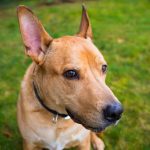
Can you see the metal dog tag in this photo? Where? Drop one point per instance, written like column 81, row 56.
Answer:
column 55, row 118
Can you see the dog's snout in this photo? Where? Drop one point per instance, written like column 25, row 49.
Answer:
column 113, row 112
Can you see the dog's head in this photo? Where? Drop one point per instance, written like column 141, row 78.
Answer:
column 71, row 72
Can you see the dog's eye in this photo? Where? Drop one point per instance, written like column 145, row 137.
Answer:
column 71, row 74
column 104, row 68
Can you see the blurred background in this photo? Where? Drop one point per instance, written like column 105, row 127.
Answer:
column 121, row 31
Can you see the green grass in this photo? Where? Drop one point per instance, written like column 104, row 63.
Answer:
column 122, row 32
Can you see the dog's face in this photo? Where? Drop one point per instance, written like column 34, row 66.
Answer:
column 72, row 72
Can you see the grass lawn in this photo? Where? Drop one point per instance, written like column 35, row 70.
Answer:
column 121, row 31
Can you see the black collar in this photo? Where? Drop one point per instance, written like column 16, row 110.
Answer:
column 42, row 103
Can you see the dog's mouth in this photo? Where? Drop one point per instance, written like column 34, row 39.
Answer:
column 97, row 129
column 77, row 119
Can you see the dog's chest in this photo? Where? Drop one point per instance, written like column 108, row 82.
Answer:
column 58, row 139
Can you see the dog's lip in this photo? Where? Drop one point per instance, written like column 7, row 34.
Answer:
column 73, row 117
column 102, row 128
column 94, row 129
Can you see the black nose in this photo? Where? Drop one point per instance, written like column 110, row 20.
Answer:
column 113, row 112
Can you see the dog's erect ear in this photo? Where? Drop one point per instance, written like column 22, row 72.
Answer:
column 85, row 26
column 35, row 38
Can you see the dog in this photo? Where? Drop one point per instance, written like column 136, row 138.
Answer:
column 64, row 100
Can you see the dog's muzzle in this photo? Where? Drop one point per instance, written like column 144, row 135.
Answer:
column 111, row 115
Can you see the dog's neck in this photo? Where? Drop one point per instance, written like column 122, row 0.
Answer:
column 38, row 97
column 41, row 100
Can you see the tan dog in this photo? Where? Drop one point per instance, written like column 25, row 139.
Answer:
column 66, row 78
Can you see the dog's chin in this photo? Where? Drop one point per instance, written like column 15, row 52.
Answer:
column 78, row 119
column 95, row 129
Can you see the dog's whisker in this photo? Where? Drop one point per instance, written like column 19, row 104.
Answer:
column 115, row 124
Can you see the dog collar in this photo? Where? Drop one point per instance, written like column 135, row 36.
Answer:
column 56, row 114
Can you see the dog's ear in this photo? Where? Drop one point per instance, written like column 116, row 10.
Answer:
column 85, row 26
column 35, row 38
